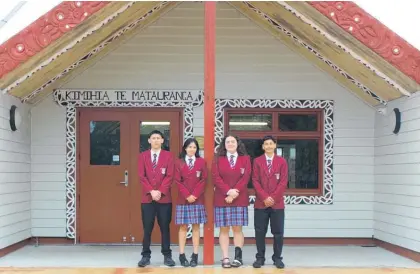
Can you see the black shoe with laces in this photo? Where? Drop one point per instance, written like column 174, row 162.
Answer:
column 183, row 260
column 258, row 263
column 144, row 261
column 194, row 260
column 279, row 263
column 168, row 261
column 237, row 262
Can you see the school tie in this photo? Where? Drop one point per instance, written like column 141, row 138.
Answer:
column 269, row 165
column 232, row 162
column 190, row 165
column 154, row 163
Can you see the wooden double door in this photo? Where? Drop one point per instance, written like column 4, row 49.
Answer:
column 109, row 207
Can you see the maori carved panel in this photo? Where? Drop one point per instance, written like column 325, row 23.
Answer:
column 44, row 31
column 61, row 98
column 373, row 34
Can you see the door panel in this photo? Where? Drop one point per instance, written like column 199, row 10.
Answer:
column 145, row 122
column 104, row 158
column 110, row 192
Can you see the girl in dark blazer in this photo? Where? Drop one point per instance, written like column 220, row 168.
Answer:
column 231, row 171
column 190, row 177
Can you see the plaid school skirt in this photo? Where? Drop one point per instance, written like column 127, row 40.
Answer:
column 190, row 214
column 231, row 216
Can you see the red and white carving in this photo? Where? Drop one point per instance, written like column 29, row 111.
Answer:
column 373, row 34
column 44, row 31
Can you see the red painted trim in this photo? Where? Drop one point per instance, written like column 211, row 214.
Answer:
column 373, row 34
column 209, row 121
column 44, row 31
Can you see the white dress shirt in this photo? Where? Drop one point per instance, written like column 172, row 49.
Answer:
column 268, row 158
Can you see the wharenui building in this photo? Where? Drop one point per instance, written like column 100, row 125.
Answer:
column 84, row 83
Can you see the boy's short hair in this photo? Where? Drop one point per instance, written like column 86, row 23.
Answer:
column 269, row 137
column 156, row 132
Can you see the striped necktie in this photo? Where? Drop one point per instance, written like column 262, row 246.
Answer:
column 154, row 163
column 269, row 165
column 231, row 161
column 190, row 164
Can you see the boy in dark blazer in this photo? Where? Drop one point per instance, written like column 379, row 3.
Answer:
column 156, row 171
column 269, row 177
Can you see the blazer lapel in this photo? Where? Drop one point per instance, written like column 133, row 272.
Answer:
column 161, row 160
column 264, row 164
column 224, row 162
column 148, row 160
column 276, row 166
column 237, row 164
column 185, row 170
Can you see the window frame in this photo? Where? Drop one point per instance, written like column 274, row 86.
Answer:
column 291, row 135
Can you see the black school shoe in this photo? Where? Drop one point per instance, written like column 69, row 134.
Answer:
column 194, row 260
column 278, row 262
column 237, row 262
column 183, row 260
column 168, row 261
column 144, row 261
column 258, row 263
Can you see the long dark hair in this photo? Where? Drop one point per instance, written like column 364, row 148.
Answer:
column 221, row 150
column 184, row 148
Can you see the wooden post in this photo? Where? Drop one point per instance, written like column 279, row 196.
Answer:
column 209, row 120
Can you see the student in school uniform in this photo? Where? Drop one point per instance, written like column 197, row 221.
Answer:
column 231, row 172
column 156, row 170
column 269, row 177
column 190, row 178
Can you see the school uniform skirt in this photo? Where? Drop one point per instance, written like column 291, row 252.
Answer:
column 190, row 214
column 231, row 216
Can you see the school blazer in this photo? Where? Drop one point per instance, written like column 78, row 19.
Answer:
column 160, row 178
column 226, row 178
column 190, row 182
column 269, row 184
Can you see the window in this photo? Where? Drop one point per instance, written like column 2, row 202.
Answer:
column 299, row 134
column 105, row 143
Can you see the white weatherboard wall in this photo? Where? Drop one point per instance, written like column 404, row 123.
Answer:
column 15, row 175
column 48, row 170
column 249, row 63
column 397, row 176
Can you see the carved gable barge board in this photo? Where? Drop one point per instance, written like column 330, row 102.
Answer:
column 327, row 49
column 347, row 39
column 30, row 61
column 96, row 54
column 371, row 32
column 294, row 44
column 82, row 48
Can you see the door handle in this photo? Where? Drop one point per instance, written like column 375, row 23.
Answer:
column 125, row 182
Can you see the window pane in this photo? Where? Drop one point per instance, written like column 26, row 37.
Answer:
column 298, row 122
column 250, row 122
column 147, row 127
column 105, row 142
column 302, row 159
column 254, row 149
